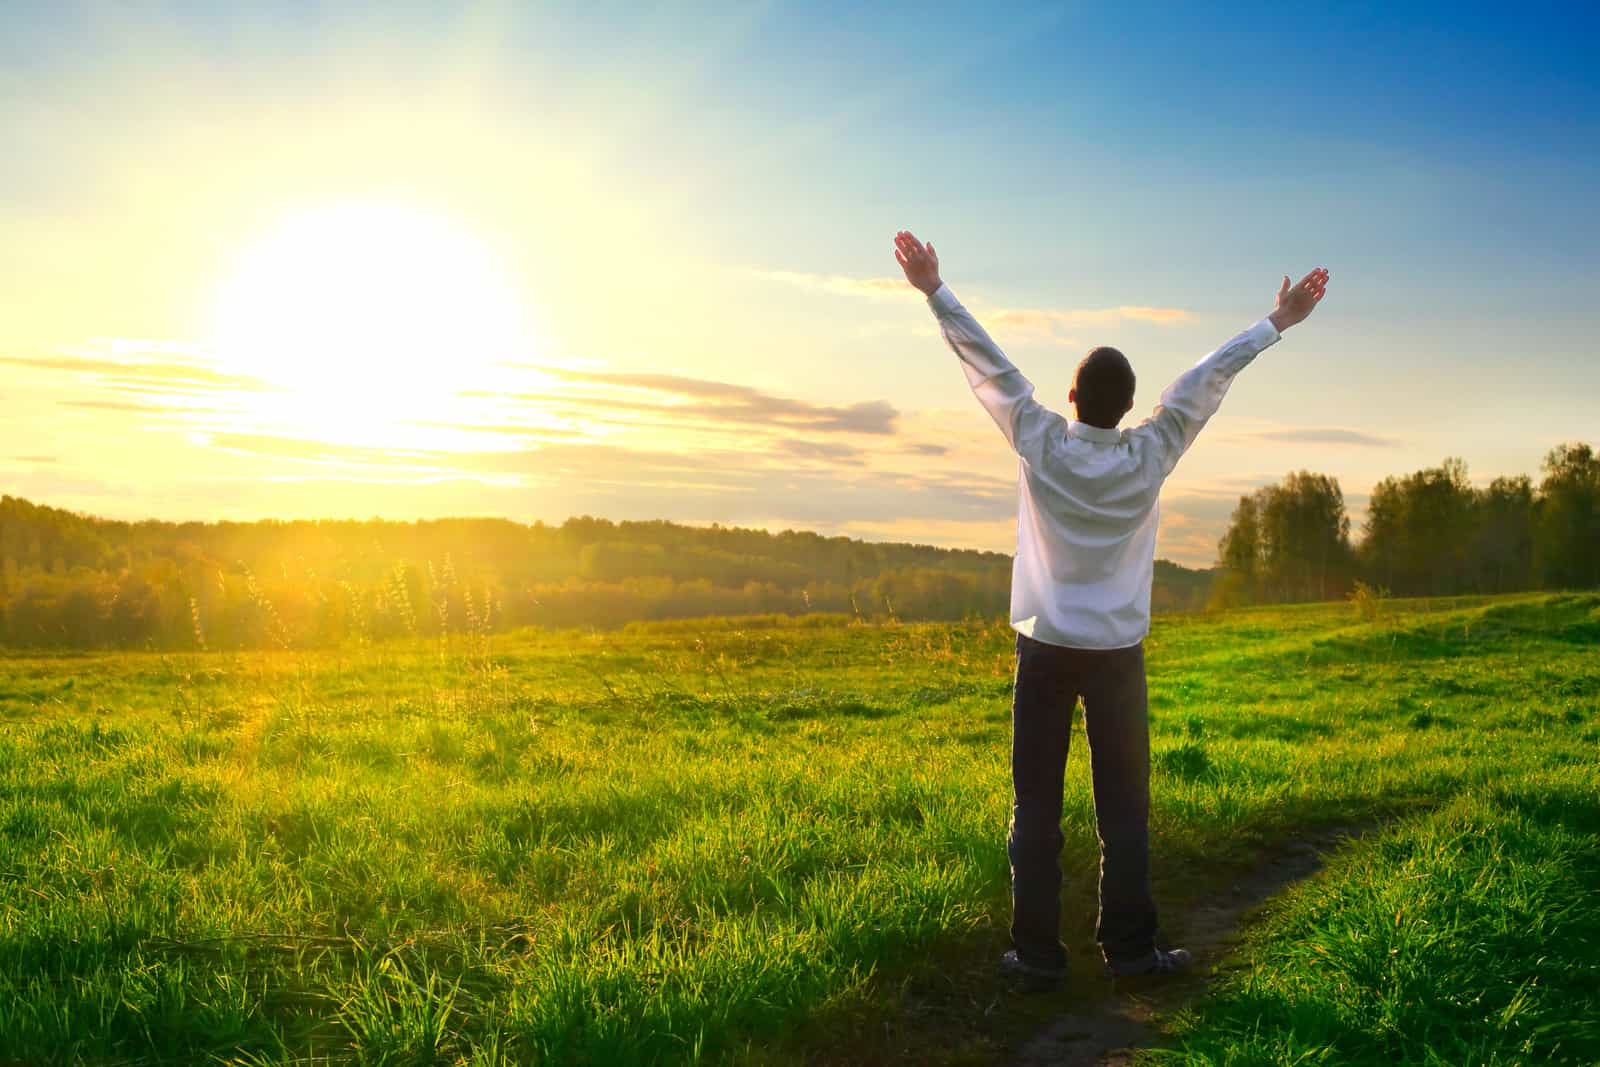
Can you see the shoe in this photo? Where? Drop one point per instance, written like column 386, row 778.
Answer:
column 1030, row 976
column 1157, row 964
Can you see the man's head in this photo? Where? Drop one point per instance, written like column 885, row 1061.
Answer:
column 1102, row 389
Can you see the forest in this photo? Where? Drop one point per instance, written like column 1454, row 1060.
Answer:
column 74, row 581
column 1428, row 533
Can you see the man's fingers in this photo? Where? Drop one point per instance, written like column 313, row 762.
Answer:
column 1317, row 285
column 900, row 257
column 1284, row 288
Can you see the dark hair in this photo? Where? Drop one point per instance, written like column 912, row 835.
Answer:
column 1104, row 387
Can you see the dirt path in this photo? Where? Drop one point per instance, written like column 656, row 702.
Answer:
column 1123, row 1018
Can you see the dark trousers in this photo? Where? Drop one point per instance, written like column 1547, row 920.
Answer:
column 1116, row 717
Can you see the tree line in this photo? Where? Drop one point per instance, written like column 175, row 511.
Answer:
column 1428, row 533
column 71, row 580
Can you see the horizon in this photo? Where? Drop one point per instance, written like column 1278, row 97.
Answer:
column 544, row 264
column 537, row 523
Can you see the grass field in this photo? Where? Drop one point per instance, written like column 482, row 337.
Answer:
column 764, row 841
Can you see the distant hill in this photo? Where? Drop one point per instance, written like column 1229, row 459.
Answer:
column 1178, row 588
column 77, row 581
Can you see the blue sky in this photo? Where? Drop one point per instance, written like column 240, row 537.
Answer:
column 709, row 193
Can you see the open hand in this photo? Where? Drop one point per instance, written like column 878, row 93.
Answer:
column 1296, row 303
column 919, row 261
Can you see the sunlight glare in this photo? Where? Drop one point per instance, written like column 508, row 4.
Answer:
column 372, row 312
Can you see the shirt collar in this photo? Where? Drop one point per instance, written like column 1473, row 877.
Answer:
column 1094, row 433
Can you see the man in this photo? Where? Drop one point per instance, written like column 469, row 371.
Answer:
column 1080, row 603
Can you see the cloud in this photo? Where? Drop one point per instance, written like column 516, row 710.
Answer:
column 1194, row 518
column 669, row 395
column 1319, row 435
column 147, row 376
column 36, row 459
column 825, row 450
column 731, row 485
column 989, row 535
column 112, row 405
column 552, row 442
column 878, row 288
column 1051, row 321
column 508, row 429
column 1044, row 322
column 304, row 450
column 1159, row 316
column 55, row 488
column 145, row 408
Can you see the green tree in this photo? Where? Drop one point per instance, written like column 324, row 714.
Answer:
column 1239, row 557
column 1305, row 538
column 1502, row 551
column 1419, row 529
column 1567, row 542
column 1286, row 542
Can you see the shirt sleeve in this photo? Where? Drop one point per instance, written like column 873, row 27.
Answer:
column 999, row 386
column 1191, row 400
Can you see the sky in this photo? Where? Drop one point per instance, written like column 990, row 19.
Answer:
column 539, row 260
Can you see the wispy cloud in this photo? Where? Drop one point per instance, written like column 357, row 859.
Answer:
column 1191, row 522
column 830, row 451
column 877, row 288
column 143, row 375
column 324, row 453
column 525, row 431
column 736, row 484
column 1045, row 323
column 700, row 401
column 545, row 442
column 187, row 410
column 111, row 405
column 1318, row 435
column 1050, row 321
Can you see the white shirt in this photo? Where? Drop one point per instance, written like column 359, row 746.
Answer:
column 1086, row 496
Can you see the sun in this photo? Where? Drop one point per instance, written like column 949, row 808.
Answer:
column 378, row 311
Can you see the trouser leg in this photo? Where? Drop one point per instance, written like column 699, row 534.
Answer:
column 1041, row 718
column 1117, row 722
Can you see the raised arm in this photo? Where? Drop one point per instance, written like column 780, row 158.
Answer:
column 1191, row 400
column 998, row 385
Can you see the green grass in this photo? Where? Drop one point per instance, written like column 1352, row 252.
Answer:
column 781, row 842
column 1469, row 935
